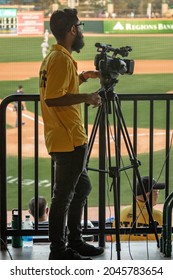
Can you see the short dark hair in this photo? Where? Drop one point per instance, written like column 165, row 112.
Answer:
column 61, row 21
column 42, row 203
column 20, row 87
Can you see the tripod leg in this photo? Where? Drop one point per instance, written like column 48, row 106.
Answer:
column 102, row 117
column 94, row 130
column 134, row 161
column 114, row 174
column 117, row 218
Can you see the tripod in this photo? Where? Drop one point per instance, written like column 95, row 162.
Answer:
column 111, row 105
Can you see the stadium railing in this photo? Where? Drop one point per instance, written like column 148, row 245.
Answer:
column 101, row 230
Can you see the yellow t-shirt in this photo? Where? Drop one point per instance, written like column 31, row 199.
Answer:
column 126, row 218
column 63, row 126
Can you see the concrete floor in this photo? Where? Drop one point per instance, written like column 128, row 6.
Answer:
column 129, row 251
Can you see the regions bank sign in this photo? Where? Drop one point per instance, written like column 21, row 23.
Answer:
column 138, row 26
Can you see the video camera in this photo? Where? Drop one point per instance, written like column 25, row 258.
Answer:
column 110, row 65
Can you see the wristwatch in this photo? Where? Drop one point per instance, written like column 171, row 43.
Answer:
column 82, row 78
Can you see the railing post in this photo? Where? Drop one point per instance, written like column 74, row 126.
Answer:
column 3, row 199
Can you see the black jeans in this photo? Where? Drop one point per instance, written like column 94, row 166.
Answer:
column 71, row 188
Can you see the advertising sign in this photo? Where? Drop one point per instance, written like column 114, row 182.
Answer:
column 155, row 26
column 30, row 23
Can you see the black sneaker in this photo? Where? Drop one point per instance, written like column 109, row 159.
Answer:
column 67, row 254
column 86, row 249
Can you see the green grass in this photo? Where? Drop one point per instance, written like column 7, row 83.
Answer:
column 127, row 84
column 147, row 83
column 9, row 87
column 17, row 49
column 151, row 84
column 44, row 174
column 27, row 180
column 142, row 47
column 125, row 186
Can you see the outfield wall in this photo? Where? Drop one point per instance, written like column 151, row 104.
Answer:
column 126, row 26
column 14, row 22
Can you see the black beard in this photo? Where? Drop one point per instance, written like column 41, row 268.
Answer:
column 78, row 43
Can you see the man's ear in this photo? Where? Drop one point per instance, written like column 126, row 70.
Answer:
column 73, row 30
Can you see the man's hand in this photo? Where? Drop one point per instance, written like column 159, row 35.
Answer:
column 91, row 74
column 94, row 99
column 84, row 76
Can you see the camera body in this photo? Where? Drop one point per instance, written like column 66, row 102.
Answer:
column 111, row 65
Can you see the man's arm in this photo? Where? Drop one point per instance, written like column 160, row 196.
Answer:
column 85, row 75
column 72, row 99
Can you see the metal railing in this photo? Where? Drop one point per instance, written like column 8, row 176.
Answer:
column 166, row 234
column 165, row 100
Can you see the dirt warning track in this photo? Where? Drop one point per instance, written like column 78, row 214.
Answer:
column 14, row 71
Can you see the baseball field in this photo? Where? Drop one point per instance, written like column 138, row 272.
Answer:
column 19, row 64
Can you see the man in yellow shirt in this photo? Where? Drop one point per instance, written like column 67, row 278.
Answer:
column 142, row 217
column 65, row 136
